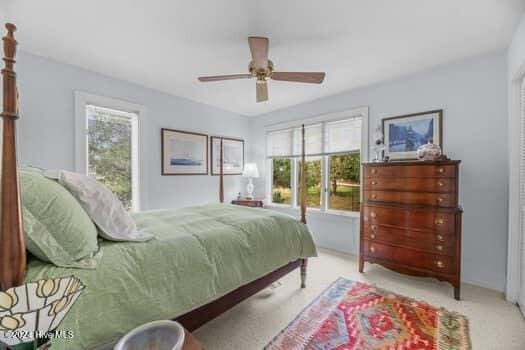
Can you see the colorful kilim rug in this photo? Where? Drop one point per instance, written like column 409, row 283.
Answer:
column 351, row 315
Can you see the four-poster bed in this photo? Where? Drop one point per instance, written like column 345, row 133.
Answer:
column 12, row 247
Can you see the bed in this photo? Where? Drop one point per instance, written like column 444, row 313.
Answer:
column 203, row 260
column 199, row 254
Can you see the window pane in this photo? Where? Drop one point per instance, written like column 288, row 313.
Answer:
column 281, row 182
column 313, row 182
column 343, row 136
column 345, row 171
column 313, row 137
column 109, row 151
column 279, row 143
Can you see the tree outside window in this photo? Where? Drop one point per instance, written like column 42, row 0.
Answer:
column 345, row 171
column 110, row 151
column 313, row 182
column 281, row 181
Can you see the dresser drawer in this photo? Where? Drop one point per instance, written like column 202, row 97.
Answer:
column 445, row 200
column 433, row 243
column 419, row 170
column 409, row 218
column 409, row 257
column 441, row 185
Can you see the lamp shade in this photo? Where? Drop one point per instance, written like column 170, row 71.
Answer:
column 36, row 308
column 250, row 170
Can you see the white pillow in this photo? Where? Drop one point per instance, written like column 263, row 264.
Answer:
column 102, row 206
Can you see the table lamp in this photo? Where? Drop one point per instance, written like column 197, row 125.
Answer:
column 250, row 171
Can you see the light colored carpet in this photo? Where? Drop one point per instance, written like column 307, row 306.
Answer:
column 494, row 323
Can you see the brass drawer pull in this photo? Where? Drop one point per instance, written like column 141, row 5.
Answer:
column 439, row 264
column 372, row 236
column 373, row 196
column 373, row 214
column 440, row 238
column 441, row 183
column 439, row 247
column 441, row 170
column 439, row 199
column 374, row 182
column 372, row 249
column 374, row 171
column 439, row 222
column 373, row 227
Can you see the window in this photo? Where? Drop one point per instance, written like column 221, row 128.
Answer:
column 107, row 144
column 313, row 182
column 344, row 187
column 110, row 148
column 282, row 181
column 334, row 147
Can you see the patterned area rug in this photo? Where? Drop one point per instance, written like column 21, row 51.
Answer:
column 357, row 316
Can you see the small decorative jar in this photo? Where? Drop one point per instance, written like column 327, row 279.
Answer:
column 428, row 151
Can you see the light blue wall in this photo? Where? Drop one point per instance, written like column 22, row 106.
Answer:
column 473, row 95
column 46, row 128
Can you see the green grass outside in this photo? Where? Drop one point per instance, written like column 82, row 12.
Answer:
column 346, row 198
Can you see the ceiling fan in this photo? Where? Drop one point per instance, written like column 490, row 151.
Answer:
column 262, row 68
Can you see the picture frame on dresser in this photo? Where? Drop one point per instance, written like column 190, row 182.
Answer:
column 410, row 219
column 405, row 133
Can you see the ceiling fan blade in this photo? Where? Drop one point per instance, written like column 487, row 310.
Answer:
column 225, row 77
column 261, row 89
column 259, row 49
column 300, row 77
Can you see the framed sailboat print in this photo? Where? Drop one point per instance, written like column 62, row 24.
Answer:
column 184, row 152
column 233, row 155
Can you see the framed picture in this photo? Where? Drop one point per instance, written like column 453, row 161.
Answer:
column 404, row 134
column 184, row 153
column 233, row 155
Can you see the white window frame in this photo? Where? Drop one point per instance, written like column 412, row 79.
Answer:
column 82, row 99
column 325, row 160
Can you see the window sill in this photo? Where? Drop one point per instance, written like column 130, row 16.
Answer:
column 317, row 212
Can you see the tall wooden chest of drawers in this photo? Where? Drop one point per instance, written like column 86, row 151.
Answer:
column 411, row 219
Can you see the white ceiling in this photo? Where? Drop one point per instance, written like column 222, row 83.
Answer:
column 166, row 44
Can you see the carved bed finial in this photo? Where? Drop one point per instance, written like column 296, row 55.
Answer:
column 9, row 46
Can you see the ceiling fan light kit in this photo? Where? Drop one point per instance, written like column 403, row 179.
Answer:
column 261, row 67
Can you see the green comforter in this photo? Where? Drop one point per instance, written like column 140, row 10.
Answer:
column 199, row 254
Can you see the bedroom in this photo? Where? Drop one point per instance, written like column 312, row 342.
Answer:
column 456, row 65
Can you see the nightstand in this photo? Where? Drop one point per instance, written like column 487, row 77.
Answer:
column 255, row 203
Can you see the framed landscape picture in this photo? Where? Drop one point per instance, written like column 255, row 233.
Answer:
column 233, row 155
column 404, row 134
column 184, row 153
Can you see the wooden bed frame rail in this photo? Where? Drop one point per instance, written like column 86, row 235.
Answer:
column 196, row 318
column 12, row 247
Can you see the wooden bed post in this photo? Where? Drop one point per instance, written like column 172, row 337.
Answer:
column 221, row 177
column 12, row 248
column 303, row 201
column 303, row 178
